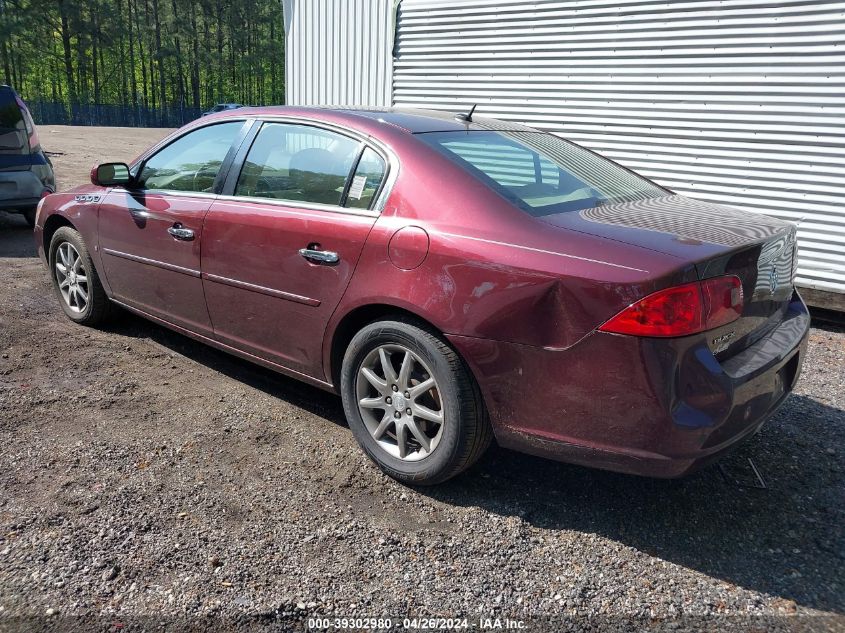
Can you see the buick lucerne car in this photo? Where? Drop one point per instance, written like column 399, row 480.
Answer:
column 453, row 278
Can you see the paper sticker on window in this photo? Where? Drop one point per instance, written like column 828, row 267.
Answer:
column 357, row 188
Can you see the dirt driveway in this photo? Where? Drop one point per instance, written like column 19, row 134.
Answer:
column 148, row 478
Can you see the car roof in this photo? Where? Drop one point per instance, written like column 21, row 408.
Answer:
column 7, row 95
column 411, row 120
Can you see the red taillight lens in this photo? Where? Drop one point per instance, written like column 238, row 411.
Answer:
column 681, row 310
column 722, row 300
column 672, row 312
column 34, row 141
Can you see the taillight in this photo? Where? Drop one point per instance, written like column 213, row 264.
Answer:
column 722, row 300
column 681, row 310
column 34, row 141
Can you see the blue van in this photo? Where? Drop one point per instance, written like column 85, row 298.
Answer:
column 26, row 174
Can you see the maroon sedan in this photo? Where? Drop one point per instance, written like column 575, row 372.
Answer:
column 452, row 279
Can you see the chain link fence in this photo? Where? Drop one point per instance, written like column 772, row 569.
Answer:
column 52, row 113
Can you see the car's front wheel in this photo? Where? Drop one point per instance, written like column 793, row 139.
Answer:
column 412, row 403
column 75, row 279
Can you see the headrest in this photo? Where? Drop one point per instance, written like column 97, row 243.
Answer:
column 313, row 159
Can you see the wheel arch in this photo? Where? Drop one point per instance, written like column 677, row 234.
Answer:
column 355, row 319
column 51, row 225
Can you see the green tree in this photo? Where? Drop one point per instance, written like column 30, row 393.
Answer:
column 143, row 53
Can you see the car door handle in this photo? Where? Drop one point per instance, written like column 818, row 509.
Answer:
column 318, row 256
column 181, row 233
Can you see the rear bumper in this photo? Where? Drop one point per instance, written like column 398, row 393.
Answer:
column 654, row 407
column 19, row 190
column 22, row 204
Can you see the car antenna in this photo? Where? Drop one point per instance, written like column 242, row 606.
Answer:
column 468, row 116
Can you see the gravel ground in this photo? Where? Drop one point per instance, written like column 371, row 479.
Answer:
column 148, row 481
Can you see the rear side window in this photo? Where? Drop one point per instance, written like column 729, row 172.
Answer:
column 367, row 179
column 192, row 162
column 295, row 162
column 541, row 173
column 13, row 129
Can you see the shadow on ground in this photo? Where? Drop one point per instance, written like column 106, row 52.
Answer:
column 15, row 236
column 786, row 540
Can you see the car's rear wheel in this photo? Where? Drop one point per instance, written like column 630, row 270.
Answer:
column 75, row 279
column 412, row 403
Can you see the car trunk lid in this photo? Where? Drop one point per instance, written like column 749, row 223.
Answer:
column 766, row 268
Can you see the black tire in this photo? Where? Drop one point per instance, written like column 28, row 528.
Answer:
column 29, row 216
column 98, row 307
column 466, row 431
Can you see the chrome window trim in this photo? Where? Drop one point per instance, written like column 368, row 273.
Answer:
column 294, row 204
column 169, row 192
column 387, row 154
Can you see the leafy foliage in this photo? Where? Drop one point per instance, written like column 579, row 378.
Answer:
column 151, row 53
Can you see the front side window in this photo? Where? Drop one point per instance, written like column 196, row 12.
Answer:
column 190, row 163
column 299, row 163
column 541, row 173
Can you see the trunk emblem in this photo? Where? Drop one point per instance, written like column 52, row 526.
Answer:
column 721, row 342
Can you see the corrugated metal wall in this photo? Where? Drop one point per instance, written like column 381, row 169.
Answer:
column 338, row 52
column 740, row 102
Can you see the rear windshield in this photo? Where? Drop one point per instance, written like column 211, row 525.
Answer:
column 13, row 134
column 541, row 173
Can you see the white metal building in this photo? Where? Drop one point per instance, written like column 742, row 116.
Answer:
column 740, row 102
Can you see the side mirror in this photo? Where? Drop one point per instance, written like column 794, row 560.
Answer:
column 110, row 174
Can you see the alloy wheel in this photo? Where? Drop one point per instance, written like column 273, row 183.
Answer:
column 71, row 277
column 399, row 402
